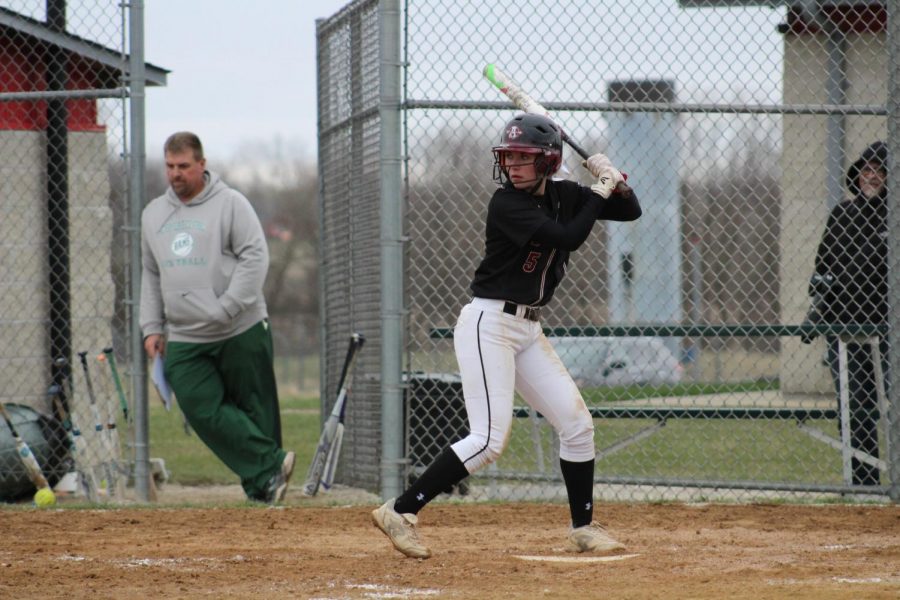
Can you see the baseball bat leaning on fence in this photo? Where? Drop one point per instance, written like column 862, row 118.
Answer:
column 331, row 461
column 524, row 102
column 328, row 449
column 109, row 471
column 25, row 454
column 112, row 431
column 77, row 445
column 110, row 358
column 86, row 479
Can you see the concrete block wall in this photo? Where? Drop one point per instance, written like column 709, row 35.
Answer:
column 24, row 294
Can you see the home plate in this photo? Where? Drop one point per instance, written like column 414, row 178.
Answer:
column 576, row 559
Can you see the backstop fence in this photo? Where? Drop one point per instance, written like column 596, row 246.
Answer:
column 740, row 126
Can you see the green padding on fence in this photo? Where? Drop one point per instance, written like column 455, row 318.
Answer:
column 634, row 412
column 750, row 330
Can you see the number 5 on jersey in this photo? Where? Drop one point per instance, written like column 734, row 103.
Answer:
column 531, row 262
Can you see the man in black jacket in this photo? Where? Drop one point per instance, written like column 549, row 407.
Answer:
column 850, row 287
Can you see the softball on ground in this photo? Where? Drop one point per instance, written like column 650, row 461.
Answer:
column 44, row 497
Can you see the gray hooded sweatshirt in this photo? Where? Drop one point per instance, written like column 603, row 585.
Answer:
column 204, row 264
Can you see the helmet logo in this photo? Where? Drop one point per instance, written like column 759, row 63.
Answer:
column 513, row 132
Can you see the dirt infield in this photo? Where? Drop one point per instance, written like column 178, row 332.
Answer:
column 480, row 551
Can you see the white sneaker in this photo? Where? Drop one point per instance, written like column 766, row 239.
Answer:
column 401, row 529
column 278, row 483
column 593, row 538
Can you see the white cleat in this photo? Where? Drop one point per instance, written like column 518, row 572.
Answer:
column 593, row 538
column 401, row 529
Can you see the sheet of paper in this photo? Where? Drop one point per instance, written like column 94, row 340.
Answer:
column 159, row 380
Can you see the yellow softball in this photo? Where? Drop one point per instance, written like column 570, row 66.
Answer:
column 44, row 497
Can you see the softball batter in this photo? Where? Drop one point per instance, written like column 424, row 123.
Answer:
column 533, row 223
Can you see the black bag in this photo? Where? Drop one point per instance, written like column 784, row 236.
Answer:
column 46, row 437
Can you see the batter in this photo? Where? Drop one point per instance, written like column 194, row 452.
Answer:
column 533, row 223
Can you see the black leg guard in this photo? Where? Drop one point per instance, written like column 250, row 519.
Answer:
column 446, row 471
column 579, row 478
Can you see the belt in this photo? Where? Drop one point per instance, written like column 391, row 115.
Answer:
column 532, row 313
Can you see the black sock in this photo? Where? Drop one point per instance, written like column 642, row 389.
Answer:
column 446, row 471
column 579, row 478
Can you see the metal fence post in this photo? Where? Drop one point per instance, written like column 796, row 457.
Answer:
column 893, row 226
column 391, row 249
column 135, row 206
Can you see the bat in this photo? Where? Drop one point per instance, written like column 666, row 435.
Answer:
column 77, row 443
column 99, row 430
column 528, row 104
column 87, row 482
column 332, row 431
column 110, row 358
column 332, row 461
column 112, row 431
column 25, row 454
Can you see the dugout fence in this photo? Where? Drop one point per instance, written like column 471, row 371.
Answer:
column 72, row 80
column 736, row 123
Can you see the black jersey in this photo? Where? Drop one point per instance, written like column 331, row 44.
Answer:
column 528, row 238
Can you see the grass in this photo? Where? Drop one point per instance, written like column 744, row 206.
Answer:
column 696, row 449
column 190, row 462
column 637, row 392
column 749, row 450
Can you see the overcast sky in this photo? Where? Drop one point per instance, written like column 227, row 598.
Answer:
column 241, row 72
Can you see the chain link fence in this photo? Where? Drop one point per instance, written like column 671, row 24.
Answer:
column 737, row 124
column 349, row 211
column 64, row 277
column 72, row 79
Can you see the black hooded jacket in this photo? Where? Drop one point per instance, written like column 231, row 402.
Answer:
column 853, row 252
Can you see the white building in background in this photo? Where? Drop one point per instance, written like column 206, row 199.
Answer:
column 645, row 273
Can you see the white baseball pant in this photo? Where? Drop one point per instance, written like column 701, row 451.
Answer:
column 500, row 354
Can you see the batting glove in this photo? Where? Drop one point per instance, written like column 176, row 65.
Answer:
column 597, row 163
column 607, row 180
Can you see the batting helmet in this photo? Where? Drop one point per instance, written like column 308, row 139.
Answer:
column 531, row 134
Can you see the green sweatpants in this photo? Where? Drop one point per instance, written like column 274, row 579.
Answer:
column 227, row 392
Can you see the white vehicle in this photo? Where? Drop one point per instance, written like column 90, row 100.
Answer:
column 594, row 361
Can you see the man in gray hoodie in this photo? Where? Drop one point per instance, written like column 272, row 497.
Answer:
column 204, row 263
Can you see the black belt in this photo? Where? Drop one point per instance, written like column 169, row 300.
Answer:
column 532, row 313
